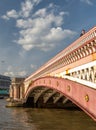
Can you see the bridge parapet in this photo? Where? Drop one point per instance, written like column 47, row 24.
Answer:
column 80, row 52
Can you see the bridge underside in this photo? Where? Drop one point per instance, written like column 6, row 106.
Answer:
column 56, row 92
column 44, row 97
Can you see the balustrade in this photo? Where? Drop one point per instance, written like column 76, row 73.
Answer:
column 81, row 48
column 88, row 74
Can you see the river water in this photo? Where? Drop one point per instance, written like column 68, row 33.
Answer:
column 43, row 119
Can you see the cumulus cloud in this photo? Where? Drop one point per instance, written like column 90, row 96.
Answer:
column 11, row 71
column 57, row 34
column 13, row 74
column 22, row 73
column 89, row 2
column 26, row 8
column 10, row 14
column 41, row 29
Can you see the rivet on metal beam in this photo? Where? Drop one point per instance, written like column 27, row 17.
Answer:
column 86, row 98
column 49, row 81
column 44, row 81
column 57, row 83
column 68, row 88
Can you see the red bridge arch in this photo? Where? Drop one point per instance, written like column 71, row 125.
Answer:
column 84, row 98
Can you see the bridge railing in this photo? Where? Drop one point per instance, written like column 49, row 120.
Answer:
column 81, row 51
column 81, row 81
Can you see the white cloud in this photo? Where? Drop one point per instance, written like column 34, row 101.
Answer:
column 9, row 71
column 89, row 2
column 26, row 8
column 10, row 14
column 12, row 72
column 22, row 73
column 41, row 12
column 5, row 17
column 21, row 23
column 41, row 29
column 57, row 34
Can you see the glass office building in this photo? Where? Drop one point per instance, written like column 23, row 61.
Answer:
column 5, row 82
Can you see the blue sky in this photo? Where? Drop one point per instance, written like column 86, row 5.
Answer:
column 34, row 31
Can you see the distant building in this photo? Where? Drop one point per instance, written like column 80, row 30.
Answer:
column 5, row 82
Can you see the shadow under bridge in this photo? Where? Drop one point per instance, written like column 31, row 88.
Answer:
column 60, row 92
column 47, row 92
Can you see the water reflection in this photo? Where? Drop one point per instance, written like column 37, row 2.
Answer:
column 43, row 119
column 59, row 119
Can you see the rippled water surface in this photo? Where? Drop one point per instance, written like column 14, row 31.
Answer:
column 43, row 119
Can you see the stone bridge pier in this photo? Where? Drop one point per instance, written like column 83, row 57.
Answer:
column 16, row 92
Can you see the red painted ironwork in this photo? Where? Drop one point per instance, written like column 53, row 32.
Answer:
column 81, row 95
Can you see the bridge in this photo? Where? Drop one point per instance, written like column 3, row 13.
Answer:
column 70, row 76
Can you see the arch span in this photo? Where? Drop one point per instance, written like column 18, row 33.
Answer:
column 79, row 94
